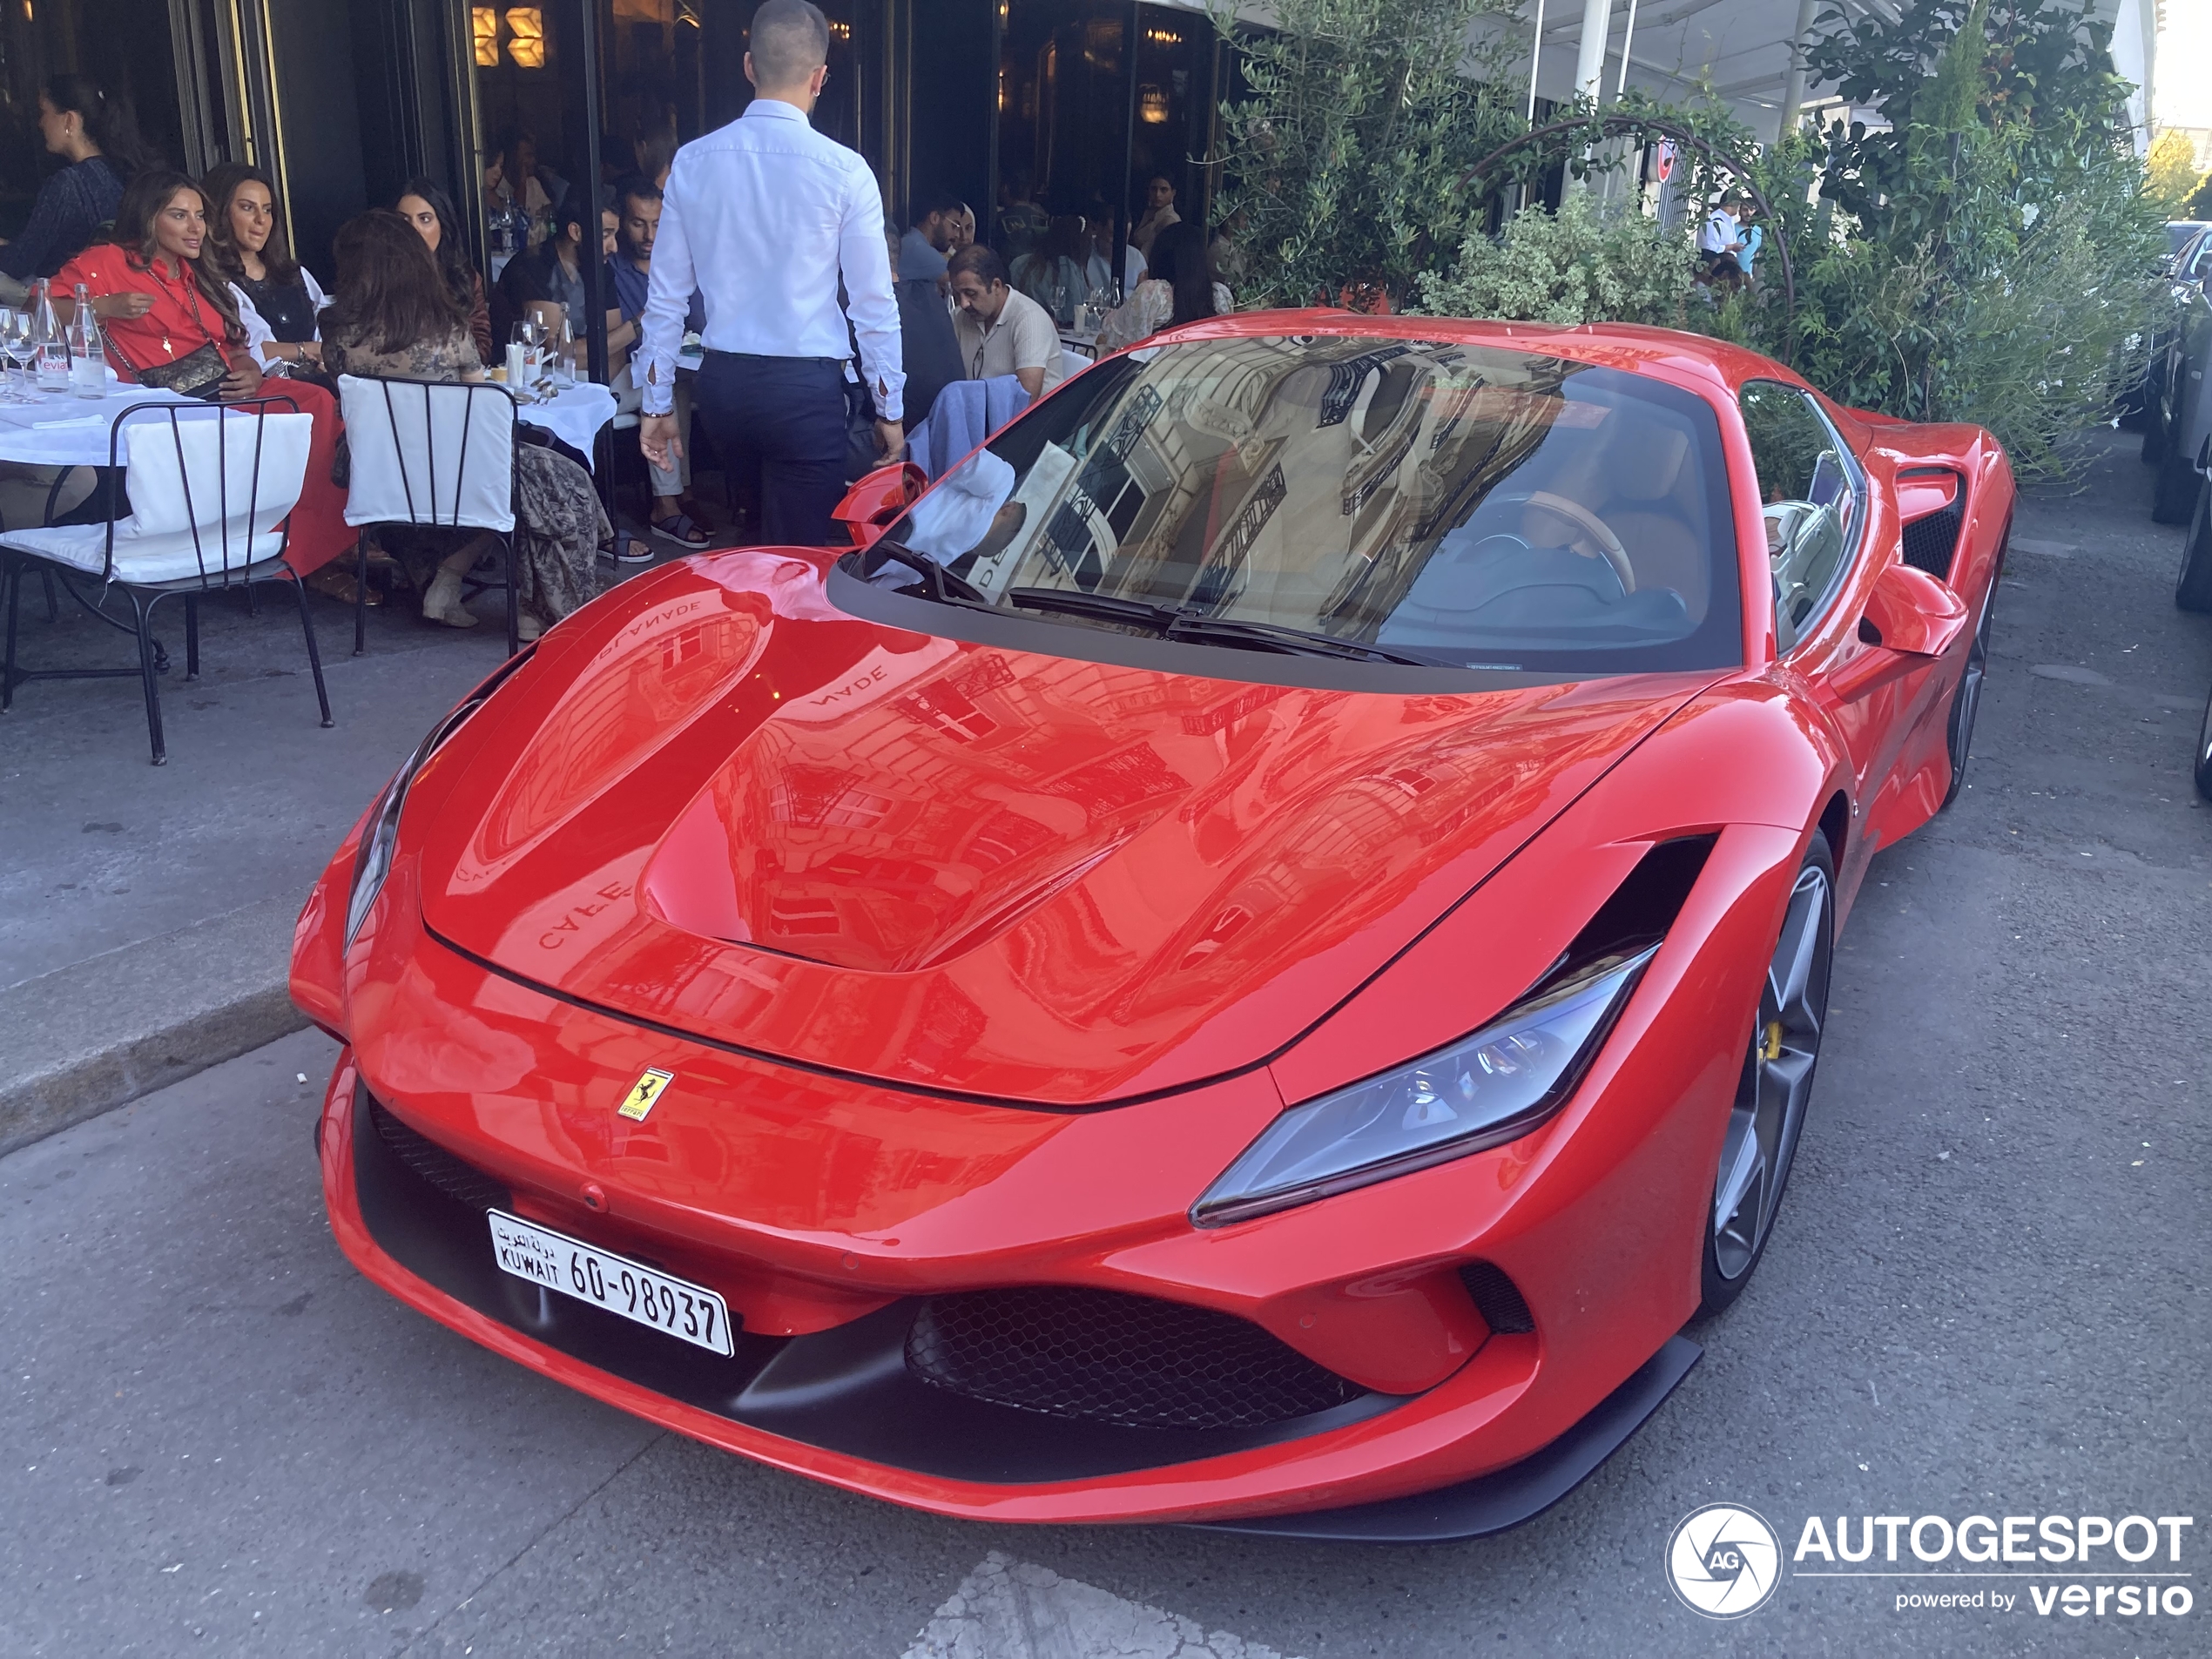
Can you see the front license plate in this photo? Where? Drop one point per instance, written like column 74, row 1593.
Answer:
column 672, row 1306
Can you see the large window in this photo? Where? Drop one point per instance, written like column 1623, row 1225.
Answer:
column 1440, row 503
column 1088, row 115
column 123, row 45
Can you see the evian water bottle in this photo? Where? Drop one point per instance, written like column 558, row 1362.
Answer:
column 87, row 353
column 49, row 352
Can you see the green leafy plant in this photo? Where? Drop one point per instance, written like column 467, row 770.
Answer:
column 1990, row 256
column 1347, row 166
column 1579, row 264
column 2171, row 178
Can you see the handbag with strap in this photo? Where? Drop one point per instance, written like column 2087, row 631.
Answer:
column 199, row 373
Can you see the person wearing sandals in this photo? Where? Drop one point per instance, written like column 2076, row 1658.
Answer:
column 394, row 317
column 675, row 515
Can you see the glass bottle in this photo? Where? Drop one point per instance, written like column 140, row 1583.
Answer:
column 87, row 352
column 49, row 351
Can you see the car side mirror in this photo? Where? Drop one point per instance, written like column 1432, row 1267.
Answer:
column 1911, row 611
column 875, row 503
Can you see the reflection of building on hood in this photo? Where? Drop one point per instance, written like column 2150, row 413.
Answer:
column 954, row 519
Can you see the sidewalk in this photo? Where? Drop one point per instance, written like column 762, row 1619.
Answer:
column 146, row 912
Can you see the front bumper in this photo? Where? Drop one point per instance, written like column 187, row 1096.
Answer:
column 825, row 1215
column 843, row 1405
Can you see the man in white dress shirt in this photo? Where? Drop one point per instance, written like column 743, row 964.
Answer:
column 763, row 218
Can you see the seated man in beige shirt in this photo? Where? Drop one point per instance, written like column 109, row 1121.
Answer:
column 1001, row 330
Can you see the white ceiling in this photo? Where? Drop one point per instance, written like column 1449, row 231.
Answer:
column 1738, row 48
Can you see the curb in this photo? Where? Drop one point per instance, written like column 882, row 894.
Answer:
column 86, row 1039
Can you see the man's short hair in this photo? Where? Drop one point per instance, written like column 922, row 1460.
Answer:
column 943, row 202
column 790, row 41
column 982, row 261
column 635, row 187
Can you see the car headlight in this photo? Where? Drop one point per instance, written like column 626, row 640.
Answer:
column 1488, row 1087
column 373, row 862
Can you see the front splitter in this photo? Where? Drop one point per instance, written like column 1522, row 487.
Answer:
column 1506, row 1498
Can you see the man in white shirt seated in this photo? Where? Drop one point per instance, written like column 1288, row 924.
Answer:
column 765, row 217
column 1719, row 241
column 923, row 249
column 1001, row 330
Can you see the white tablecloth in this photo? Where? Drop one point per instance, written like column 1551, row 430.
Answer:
column 575, row 415
column 73, row 431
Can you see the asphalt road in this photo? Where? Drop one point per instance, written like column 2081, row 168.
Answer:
column 1987, row 1296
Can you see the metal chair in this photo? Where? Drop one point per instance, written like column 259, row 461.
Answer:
column 210, row 490
column 434, row 454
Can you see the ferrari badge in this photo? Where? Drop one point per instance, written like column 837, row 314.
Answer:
column 643, row 1093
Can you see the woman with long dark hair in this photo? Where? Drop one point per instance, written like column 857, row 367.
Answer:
column 1178, row 288
column 427, row 207
column 278, row 298
column 160, row 304
column 394, row 317
column 91, row 129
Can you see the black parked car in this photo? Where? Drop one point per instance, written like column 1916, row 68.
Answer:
column 2177, row 415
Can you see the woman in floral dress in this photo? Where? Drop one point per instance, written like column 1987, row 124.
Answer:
column 394, row 318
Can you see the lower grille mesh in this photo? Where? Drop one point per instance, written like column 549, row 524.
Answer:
column 463, row 1183
column 1106, row 1357
column 1496, row 1298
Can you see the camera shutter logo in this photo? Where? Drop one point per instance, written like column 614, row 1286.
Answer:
column 1724, row 1560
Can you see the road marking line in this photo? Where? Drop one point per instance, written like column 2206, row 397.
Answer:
column 1010, row 1610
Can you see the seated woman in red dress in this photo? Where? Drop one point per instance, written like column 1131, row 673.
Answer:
column 157, row 304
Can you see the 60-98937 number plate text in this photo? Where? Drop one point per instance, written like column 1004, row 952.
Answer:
column 672, row 1306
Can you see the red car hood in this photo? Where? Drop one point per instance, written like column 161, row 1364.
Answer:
column 717, row 803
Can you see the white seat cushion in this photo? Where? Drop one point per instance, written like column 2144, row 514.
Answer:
column 173, row 481
column 204, row 469
column 142, row 558
column 429, row 454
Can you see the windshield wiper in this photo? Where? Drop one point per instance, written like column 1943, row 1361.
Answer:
column 1274, row 636
column 1178, row 621
column 1073, row 602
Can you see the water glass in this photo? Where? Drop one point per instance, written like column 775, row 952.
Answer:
column 16, row 346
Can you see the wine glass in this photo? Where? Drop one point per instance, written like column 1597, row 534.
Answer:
column 15, row 345
column 521, row 359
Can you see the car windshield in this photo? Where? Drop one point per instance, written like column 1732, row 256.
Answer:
column 1432, row 502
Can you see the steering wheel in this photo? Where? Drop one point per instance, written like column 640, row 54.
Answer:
column 1599, row 532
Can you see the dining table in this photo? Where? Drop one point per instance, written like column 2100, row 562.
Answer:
column 65, row 429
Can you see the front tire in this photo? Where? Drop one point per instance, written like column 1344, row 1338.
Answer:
column 1775, row 1087
column 2192, row 588
column 2204, row 753
column 2154, row 449
column 2175, row 491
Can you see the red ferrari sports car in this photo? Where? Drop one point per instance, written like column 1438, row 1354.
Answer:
column 1253, row 957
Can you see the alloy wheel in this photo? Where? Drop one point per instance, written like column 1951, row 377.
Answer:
column 1769, row 1109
